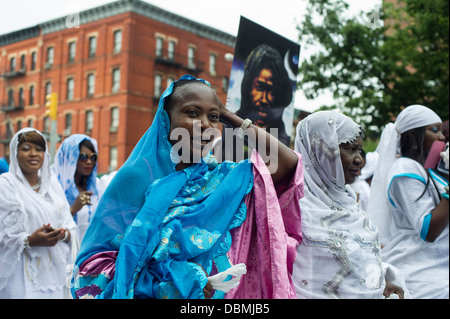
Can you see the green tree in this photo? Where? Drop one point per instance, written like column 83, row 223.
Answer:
column 375, row 69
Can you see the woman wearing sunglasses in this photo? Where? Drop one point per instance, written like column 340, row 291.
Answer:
column 76, row 169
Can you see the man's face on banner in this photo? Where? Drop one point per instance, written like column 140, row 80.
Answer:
column 262, row 91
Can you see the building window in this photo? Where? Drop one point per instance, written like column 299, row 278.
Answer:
column 70, row 87
column 92, row 46
column 31, row 95
column 21, row 99
column 158, row 82
column 115, row 81
column 33, row 60
column 72, row 51
column 114, row 119
column 19, row 125
column 50, row 56
column 10, row 97
column 171, row 51
column 225, row 84
column 68, row 129
column 159, row 47
column 117, row 41
column 30, row 123
column 90, row 84
column 48, row 89
column 12, row 64
column 212, row 64
column 22, row 62
column 113, row 158
column 89, row 121
column 191, row 58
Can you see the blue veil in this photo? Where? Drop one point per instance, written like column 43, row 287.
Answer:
column 166, row 225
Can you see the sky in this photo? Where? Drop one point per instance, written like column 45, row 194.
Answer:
column 280, row 16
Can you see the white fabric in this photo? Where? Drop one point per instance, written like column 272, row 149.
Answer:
column 388, row 148
column 236, row 271
column 339, row 256
column 424, row 264
column 362, row 190
column 371, row 163
column 36, row 272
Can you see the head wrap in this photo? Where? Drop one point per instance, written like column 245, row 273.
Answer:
column 318, row 138
column 65, row 166
column 14, row 167
column 413, row 116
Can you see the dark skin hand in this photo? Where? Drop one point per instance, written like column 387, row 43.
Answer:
column 391, row 288
column 47, row 236
column 281, row 164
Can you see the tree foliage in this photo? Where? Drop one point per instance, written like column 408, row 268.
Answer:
column 375, row 70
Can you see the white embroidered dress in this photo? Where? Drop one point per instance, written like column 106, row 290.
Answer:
column 340, row 255
column 36, row 272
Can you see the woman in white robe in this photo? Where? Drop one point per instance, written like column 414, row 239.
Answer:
column 340, row 254
column 36, row 228
column 410, row 205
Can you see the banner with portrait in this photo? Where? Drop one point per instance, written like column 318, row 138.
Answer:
column 263, row 78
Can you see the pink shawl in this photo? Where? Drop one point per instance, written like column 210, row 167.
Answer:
column 267, row 240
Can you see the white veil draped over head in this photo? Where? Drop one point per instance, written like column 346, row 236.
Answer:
column 317, row 139
column 413, row 116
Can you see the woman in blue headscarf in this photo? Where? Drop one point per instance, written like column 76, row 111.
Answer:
column 76, row 169
column 165, row 216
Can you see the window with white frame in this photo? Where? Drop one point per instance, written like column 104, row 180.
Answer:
column 31, row 95
column 114, row 126
column 33, row 60
column 158, row 88
column 89, row 121
column 70, row 89
column 113, row 158
column 72, row 51
column 12, row 64
column 50, row 56
column 212, row 64
column 159, row 47
column 92, row 46
column 90, row 84
column 115, row 80
column 68, row 129
column 171, row 50
column 191, row 58
column 117, row 41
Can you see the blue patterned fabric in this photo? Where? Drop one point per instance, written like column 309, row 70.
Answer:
column 166, row 225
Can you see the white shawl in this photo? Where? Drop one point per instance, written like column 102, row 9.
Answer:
column 22, row 211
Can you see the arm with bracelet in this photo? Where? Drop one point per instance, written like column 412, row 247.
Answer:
column 281, row 163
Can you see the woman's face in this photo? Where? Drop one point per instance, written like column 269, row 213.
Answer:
column 30, row 157
column 433, row 133
column 86, row 163
column 194, row 120
column 351, row 159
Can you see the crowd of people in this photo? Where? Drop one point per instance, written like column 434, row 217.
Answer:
column 324, row 220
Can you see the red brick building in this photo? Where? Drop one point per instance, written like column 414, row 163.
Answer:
column 108, row 73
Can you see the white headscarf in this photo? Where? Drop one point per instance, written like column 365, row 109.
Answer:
column 413, row 116
column 317, row 139
column 14, row 168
